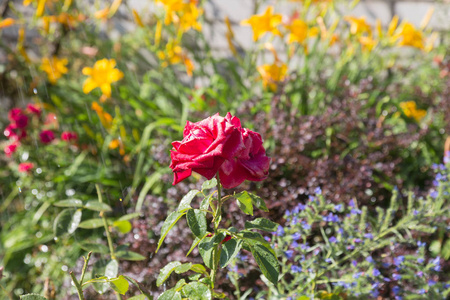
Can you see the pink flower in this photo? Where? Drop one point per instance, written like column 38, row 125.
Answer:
column 10, row 149
column 25, row 167
column 205, row 147
column 17, row 117
column 46, row 136
column 34, row 109
column 10, row 131
column 69, row 136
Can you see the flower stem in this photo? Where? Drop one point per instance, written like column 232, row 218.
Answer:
column 105, row 224
column 78, row 286
column 217, row 219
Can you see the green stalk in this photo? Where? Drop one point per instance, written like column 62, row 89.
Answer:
column 78, row 286
column 86, row 261
column 105, row 224
column 216, row 226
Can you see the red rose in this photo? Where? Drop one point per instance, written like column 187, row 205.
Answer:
column 34, row 109
column 10, row 149
column 18, row 118
column 46, row 136
column 205, row 147
column 25, row 167
column 249, row 164
column 10, row 131
column 69, row 136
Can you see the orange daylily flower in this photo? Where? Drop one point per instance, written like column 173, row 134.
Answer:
column 266, row 22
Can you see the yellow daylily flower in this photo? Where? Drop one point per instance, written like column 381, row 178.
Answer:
column 261, row 24
column 40, row 5
column 108, row 12
column 101, row 76
column 54, row 67
column 137, row 18
column 171, row 7
column 410, row 110
column 367, row 43
column 358, row 25
column 173, row 54
column 410, row 36
column 7, row 22
column 298, row 31
column 272, row 74
column 189, row 16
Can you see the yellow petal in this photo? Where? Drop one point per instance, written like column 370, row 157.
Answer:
column 89, row 85
column 106, row 89
column 86, row 71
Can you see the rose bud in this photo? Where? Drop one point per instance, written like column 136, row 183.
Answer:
column 46, row 136
column 25, row 167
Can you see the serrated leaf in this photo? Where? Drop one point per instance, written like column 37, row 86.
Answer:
column 129, row 255
column 257, row 201
column 245, row 203
column 170, row 295
column 207, row 246
column 32, row 297
column 254, row 238
column 67, row 221
column 197, row 291
column 183, row 268
column 120, row 284
column 91, row 223
column 197, row 222
column 69, row 203
column 229, row 250
column 97, row 206
column 185, row 202
column 209, row 184
column 261, row 224
column 266, row 261
column 166, row 271
column 123, row 226
column 171, row 220
column 94, row 247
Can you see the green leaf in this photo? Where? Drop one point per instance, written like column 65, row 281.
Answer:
column 185, row 203
column 170, row 295
column 256, row 200
column 120, row 284
column 171, row 220
column 66, row 221
column 94, row 247
column 229, row 250
column 262, row 224
column 266, row 261
column 204, row 205
column 166, row 271
column 123, row 226
column 179, row 285
column 128, row 217
column 254, row 238
column 197, row 222
column 446, row 250
column 104, row 268
column 194, row 244
column 97, row 206
column 197, row 268
column 139, row 297
column 245, row 203
column 32, row 297
column 69, row 203
column 183, row 268
column 129, row 255
column 209, row 184
column 91, row 223
column 141, row 288
column 197, row 291
column 207, row 246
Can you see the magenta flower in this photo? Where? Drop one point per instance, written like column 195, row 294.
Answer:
column 46, row 136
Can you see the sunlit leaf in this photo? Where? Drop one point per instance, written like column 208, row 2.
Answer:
column 66, row 221
column 166, row 271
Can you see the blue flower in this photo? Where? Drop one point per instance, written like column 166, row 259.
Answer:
column 338, row 207
column 355, row 211
column 369, row 259
column 280, row 231
column 267, row 238
column 318, row 191
column 420, row 273
column 304, row 246
column 296, row 236
column 357, row 275
column 354, row 263
column 434, row 194
column 295, row 269
column 327, row 260
column 306, row 226
column 294, row 244
column 396, row 276
column 341, row 230
column 357, row 241
column 332, row 218
column 396, row 289
column 375, row 293
column 333, row 240
column 421, row 244
column 420, row 260
column 376, row 272
column 399, row 260
column 431, row 282
column 316, row 251
column 368, row 236
column 289, row 253
column 422, row 291
column 287, row 213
